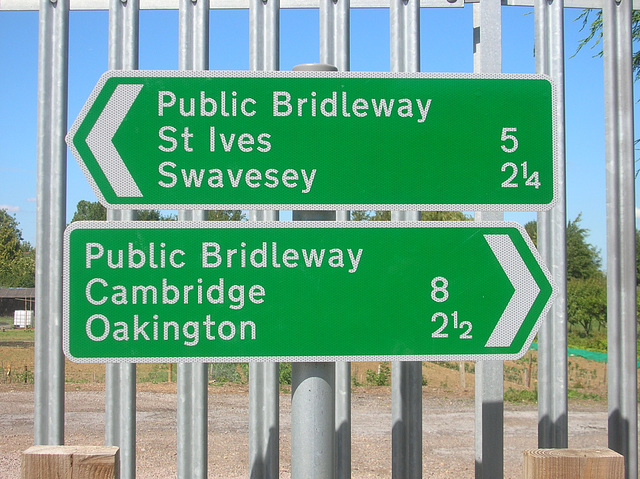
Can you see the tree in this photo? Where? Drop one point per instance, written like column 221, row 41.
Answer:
column 583, row 259
column 94, row 211
column 587, row 302
column 226, row 215
column 594, row 36
column 17, row 257
column 360, row 215
column 89, row 211
column 426, row 216
column 586, row 284
column 532, row 230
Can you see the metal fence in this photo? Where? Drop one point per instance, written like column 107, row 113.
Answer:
column 327, row 452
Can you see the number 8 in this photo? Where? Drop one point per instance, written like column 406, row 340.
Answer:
column 439, row 289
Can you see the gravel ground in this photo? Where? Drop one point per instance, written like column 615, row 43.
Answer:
column 448, row 430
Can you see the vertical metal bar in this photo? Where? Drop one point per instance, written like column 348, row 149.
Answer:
column 312, row 421
column 264, row 421
column 120, row 379
column 264, row 28
column 343, row 420
column 313, row 389
column 620, row 193
column 120, row 414
column 406, row 416
column 406, row 377
column 264, row 378
column 552, row 337
column 53, row 51
column 489, row 399
column 335, row 50
column 193, row 46
column 334, row 33
column 489, row 427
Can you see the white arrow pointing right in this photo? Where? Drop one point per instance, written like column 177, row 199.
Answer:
column 525, row 294
column 100, row 140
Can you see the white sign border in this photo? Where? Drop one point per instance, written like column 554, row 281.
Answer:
column 314, row 74
column 134, row 225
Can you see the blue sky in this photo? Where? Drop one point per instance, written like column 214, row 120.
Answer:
column 446, row 46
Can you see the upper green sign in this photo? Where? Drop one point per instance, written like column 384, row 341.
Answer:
column 254, row 291
column 319, row 140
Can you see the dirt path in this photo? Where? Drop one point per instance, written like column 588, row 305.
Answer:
column 448, row 430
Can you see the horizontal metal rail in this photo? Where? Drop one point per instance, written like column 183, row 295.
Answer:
column 26, row 5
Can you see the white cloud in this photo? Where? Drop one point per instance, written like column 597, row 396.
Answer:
column 10, row 208
column 31, row 200
column 637, row 212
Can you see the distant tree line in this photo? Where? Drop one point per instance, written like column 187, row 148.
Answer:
column 17, row 257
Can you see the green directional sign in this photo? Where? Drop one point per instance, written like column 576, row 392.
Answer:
column 319, row 140
column 239, row 291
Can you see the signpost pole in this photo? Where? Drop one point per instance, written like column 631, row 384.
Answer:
column 192, row 411
column 313, row 388
column 334, row 50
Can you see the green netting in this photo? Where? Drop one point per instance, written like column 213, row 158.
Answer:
column 592, row 355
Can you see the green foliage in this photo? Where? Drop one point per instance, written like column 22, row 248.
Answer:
column 221, row 373
column 424, row 216
column 638, row 256
column 587, row 302
column 17, row 257
column 532, row 230
column 573, row 394
column 529, row 396
column 583, row 259
column 226, row 215
column 285, row 374
column 89, row 211
column 360, row 215
column 159, row 373
column 94, row 211
column 380, row 378
column 594, row 34
column 154, row 215
column 595, row 341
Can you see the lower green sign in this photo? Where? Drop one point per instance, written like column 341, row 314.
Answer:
column 303, row 291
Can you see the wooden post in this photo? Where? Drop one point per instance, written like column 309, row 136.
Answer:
column 573, row 464
column 70, row 462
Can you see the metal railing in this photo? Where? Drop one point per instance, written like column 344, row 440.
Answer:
column 406, row 395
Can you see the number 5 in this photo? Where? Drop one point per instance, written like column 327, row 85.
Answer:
column 506, row 136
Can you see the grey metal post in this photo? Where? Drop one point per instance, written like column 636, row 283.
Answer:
column 621, row 253
column 120, row 379
column 53, row 51
column 313, row 388
column 406, row 377
column 264, row 378
column 192, row 418
column 552, row 337
column 334, row 50
column 489, row 397
column 312, row 421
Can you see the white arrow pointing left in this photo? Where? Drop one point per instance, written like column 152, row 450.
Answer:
column 100, row 140
column 525, row 294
